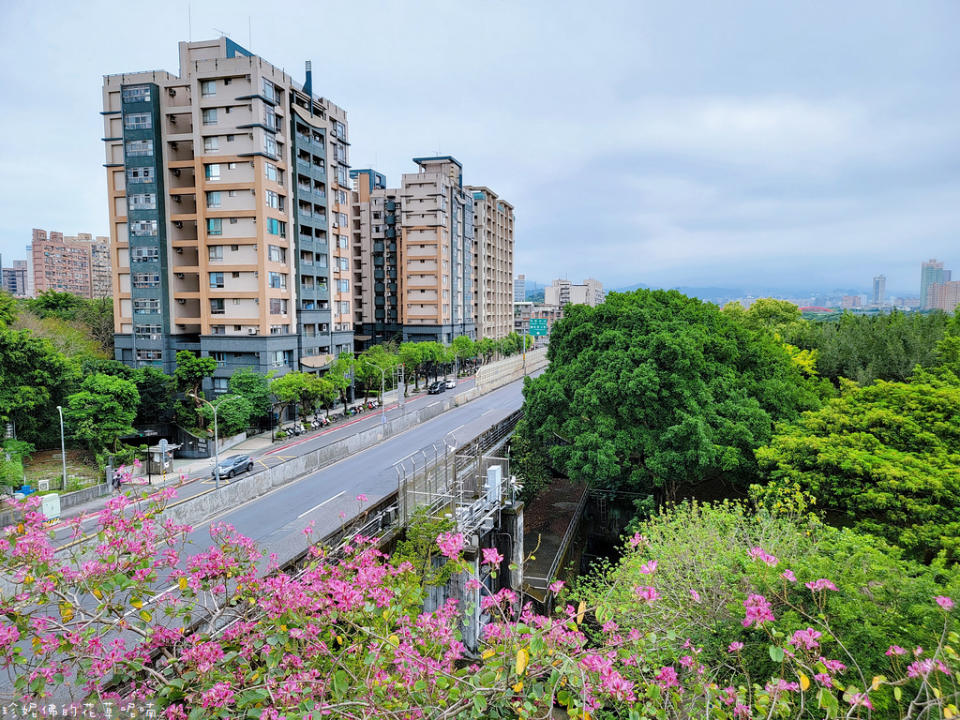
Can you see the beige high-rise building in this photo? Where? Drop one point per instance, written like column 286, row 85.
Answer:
column 944, row 296
column 436, row 252
column 492, row 263
column 220, row 181
column 78, row 264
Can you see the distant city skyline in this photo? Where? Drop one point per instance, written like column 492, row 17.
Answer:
column 790, row 145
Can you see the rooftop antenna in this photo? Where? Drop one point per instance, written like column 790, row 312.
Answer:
column 189, row 23
column 249, row 32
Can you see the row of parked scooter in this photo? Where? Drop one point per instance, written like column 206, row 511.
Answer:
column 322, row 421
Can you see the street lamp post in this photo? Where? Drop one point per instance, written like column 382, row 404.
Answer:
column 63, row 449
column 216, row 439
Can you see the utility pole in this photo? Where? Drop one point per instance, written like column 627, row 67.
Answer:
column 63, row 450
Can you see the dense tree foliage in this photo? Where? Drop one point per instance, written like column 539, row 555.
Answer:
column 653, row 390
column 102, row 411
column 156, row 390
column 884, row 458
column 255, row 387
column 875, row 347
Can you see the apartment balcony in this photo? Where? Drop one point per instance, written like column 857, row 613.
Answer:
column 180, row 179
column 179, row 151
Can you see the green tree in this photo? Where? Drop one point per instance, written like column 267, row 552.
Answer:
column 340, row 376
column 8, row 309
column 653, row 390
column 233, row 415
column 371, row 362
column 296, row 387
column 255, row 387
column 156, row 390
column 101, row 412
column 486, row 348
column 189, row 375
column 34, row 379
column 52, row 303
column 411, row 357
column 97, row 316
column 882, row 458
column 465, row 349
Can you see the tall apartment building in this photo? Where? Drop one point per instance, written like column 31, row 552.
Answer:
column 436, row 252
column 879, row 289
column 563, row 292
column 520, row 288
column 78, row 264
column 944, row 296
column 219, row 183
column 931, row 273
column 492, row 263
column 15, row 279
column 376, row 260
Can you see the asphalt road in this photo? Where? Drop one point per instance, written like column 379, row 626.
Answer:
column 283, row 451
column 276, row 521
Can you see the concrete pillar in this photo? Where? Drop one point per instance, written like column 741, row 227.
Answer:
column 511, row 518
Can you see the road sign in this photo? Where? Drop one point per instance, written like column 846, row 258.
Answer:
column 538, row 327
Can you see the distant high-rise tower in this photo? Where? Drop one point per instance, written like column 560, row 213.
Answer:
column 879, row 289
column 931, row 273
column 520, row 288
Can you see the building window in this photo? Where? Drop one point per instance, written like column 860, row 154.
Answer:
column 212, row 171
column 137, row 121
column 143, row 201
column 231, row 193
column 150, row 355
column 343, row 241
column 211, row 143
column 277, row 254
column 146, row 280
column 341, row 153
column 277, row 280
column 143, row 228
column 345, row 307
column 276, row 227
column 136, row 93
column 146, row 330
column 344, row 286
column 269, row 91
column 342, row 219
column 214, row 226
column 340, row 130
column 209, row 116
column 342, row 198
column 216, row 280
column 273, row 200
column 215, row 252
column 220, row 385
column 213, row 199
column 139, row 148
column 216, row 306
column 344, row 263
column 270, row 145
column 146, row 306
column 139, row 175
column 208, row 88
column 218, row 329
column 146, row 254
column 278, row 306
column 272, row 173
column 272, row 119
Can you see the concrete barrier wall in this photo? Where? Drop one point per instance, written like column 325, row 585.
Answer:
column 503, row 372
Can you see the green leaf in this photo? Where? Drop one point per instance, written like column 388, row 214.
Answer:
column 776, row 654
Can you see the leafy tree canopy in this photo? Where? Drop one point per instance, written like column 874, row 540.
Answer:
column 156, row 390
column 652, row 390
column 884, row 458
column 102, row 411
column 255, row 387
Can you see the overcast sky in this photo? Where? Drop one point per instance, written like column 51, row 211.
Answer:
column 791, row 144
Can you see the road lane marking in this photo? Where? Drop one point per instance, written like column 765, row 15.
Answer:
column 321, row 504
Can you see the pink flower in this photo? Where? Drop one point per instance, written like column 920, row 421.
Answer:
column 758, row 553
column 821, row 584
column 824, row 679
column 741, row 711
column 491, row 556
column 557, row 586
column 648, row 568
column 667, row 677
column 789, row 576
column 450, row 544
column 780, row 685
column 860, row 699
column 217, row 696
column 945, row 602
column 473, row 584
column 637, row 540
column 735, row 647
column 833, row 666
column 687, row 661
column 895, row 650
column 8, row 634
column 694, row 595
column 806, row 639
column 757, row 611
column 361, row 498
column 646, row 593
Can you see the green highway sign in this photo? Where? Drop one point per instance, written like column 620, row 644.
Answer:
column 538, row 327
